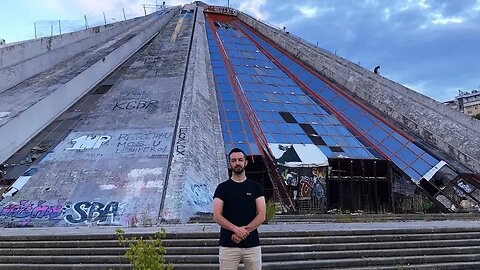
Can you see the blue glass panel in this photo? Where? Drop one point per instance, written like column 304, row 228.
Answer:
column 327, row 94
column 385, row 151
column 256, row 105
column 353, row 142
column 414, row 148
column 278, row 138
column 413, row 174
column 340, row 141
column 224, row 125
column 273, row 127
column 250, row 137
column 352, row 113
column 392, row 144
column 269, row 137
column 326, row 150
column 222, row 79
column 362, row 152
column 319, row 129
column 333, row 120
column 228, row 96
column 365, row 123
column 407, row 155
column 233, row 116
column 400, row 138
column 329, row 140
column 402, row 165
column 310, row 117
column 306, row 77
column 242, row 146
column 431, row 160
column 316, row 85
column 304, row 99
column 276, row 117
column 378, row 134
column 299, row 117
column 226, row 137
column 421, row 166
column 254, row 149
column 229, row 106
column 238, row 137
column 296, row 128
column 339, row 104
column 263, row 116
column 236, row 126
column 304, row 139
column 343, row 130
column 291, row 138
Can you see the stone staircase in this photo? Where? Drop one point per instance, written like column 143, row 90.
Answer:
column 288, row 246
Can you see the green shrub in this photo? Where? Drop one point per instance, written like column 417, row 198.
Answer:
column 145, row 254
column 271, row 210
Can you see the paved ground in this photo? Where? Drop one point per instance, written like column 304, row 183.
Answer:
column 200, row 227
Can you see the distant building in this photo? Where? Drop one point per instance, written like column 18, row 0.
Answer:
column 469, row 103
column 466, row 102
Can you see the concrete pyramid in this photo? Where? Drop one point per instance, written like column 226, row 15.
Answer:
column 130, row 123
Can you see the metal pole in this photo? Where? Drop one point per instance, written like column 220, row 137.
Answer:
column 59, row 27
column 86, row 24
column 35, row 29
column 51, row 30
column 124, row 17
column 104, row 19
column 144, row 10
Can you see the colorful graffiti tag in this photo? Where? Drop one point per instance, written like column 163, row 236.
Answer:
column 305, row 182
column 26, row 213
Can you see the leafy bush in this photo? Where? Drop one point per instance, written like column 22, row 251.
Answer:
column 145, row 254
column 271, row 210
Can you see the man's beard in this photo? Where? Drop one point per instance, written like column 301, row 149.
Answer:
column 238, row 169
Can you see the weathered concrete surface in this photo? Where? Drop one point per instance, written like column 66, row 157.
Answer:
column 29, row 60
column 31, row 105
column 111, row 169
column 198, row 162
column 17, row 52
column 452, row 132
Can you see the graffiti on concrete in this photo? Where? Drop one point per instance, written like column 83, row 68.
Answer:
column 181, row 141
column 26, row 212
column 157, row 143
column 88, row 142
column 135, row 105
column 92, row 212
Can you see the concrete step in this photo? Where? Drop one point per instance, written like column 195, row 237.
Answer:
column 400, row 248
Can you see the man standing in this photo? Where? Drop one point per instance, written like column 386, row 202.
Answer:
column 239, row 208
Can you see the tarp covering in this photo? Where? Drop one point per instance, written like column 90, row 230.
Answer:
column 298, row 155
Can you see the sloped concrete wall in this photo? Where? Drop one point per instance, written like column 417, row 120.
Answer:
column 450, row 131
column 17, row 52
column 24, row 60
column 17, row 131
column 198, row 163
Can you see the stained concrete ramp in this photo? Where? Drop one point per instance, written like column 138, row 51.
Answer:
column 112, row 168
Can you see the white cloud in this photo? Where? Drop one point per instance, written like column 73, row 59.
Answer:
column 254, row 8
column 308, row 12
column 439, row 19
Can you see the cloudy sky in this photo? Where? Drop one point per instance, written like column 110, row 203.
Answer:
column 431, row 46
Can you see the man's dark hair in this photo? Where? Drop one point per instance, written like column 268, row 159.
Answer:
column 236, row 150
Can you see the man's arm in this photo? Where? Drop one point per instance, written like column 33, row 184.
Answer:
column 241, row 232
column 260, row 217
